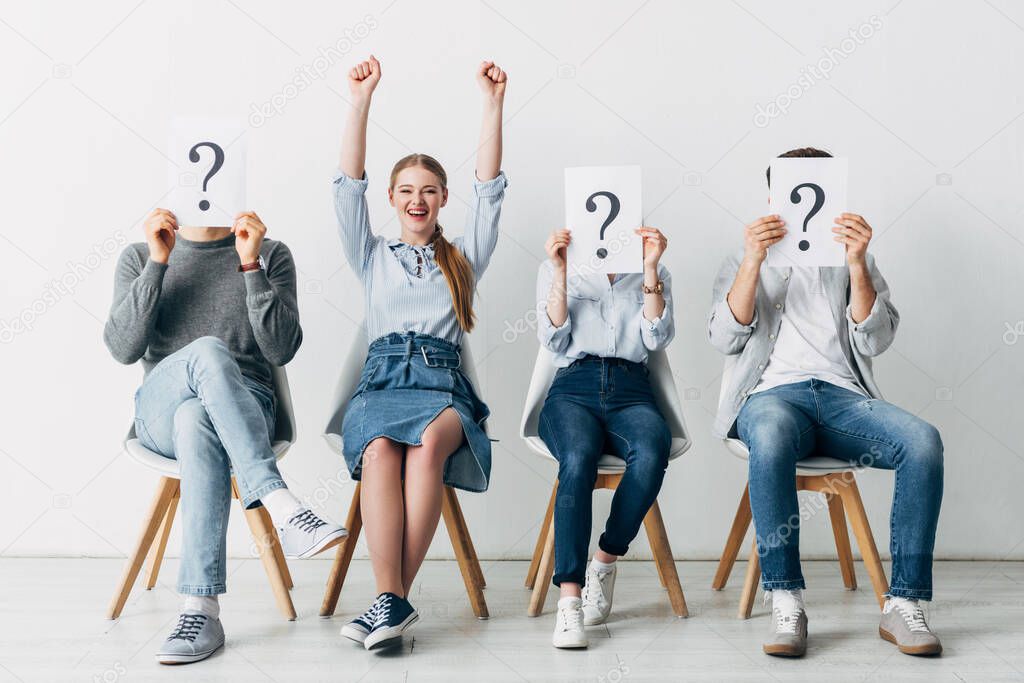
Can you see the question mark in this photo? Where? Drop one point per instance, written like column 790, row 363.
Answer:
column 613, row 211
column 218, row 161
column 819, row 201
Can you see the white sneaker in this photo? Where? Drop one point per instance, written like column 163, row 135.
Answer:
column 304, row 535
column 597, row 595
column 569, row 631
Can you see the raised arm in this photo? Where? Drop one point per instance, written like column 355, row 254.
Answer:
column 481, row 235
column 357, row 239
column 492, row 81
column 362, row 80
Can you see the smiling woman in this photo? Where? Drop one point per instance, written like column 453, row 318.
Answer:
column 415, row 422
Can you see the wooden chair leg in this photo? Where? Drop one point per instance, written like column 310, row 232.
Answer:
column 663, row 559
column 865, row 541
column 275, row 547
column 538, row 549
column 156, row 553
column 265, row 538
column 750, row 582
column 474, row 561
column 740, row 524
column 451, row 513
column 155, row 517
column 343, row 556
column 545, row 570
column 843, row 550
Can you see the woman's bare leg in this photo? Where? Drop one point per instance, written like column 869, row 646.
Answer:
column 383, row 512
column 424, row 465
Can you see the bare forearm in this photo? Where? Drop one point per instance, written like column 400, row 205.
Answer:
column 353, row 142
column 654, row 303
column 488, row 158
column 743, row 294
column 557, row 307
column 862, row 292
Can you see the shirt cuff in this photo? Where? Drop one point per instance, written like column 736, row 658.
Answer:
column 257, row 285
column 725, row 316
column 550, row 333
column 153, row 273
column 868, row 324
column 491, row 188
column 344, row 183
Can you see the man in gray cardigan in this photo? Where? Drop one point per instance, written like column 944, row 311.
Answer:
column 208, row 311
column 802, row 340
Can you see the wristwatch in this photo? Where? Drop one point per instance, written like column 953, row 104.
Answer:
column 255, row 265
column 656, row 289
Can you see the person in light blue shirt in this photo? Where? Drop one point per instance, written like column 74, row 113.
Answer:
column 414, row 422
column 601, row 329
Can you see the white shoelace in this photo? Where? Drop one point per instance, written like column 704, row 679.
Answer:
column 593, row 591
column 787, row 613
column 571, row 619
column 383, row 607
column 912, row 614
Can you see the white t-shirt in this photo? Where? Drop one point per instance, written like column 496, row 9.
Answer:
column 808, row 343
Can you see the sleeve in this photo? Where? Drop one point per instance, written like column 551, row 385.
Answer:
column 357, row 240
column 481, row 234
column 555, row 339
column 657, row 333
column 724, row 332
column 270, row 297
column 133, row 312
column 875, row 333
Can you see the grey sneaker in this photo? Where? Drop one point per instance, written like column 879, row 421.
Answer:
column 305, row 535
column 196, row 637
column 903, row 624
column 597, row 595
column 789, row 631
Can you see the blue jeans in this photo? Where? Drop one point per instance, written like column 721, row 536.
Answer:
column 196, row 406
column 782, row 425
column 596, row 406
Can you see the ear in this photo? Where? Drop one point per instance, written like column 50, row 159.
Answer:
column 391, row 196
column 444, row 196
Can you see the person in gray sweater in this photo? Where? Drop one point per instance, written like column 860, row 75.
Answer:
column 208, row 311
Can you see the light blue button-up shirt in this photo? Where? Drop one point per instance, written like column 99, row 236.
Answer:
column 604, row 318
column 405, row 289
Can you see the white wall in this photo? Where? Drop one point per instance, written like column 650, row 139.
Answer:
column 928, row 109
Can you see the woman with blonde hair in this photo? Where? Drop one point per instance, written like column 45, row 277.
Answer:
column 414, row 423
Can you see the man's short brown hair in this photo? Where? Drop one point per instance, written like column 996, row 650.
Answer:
column 800, row 153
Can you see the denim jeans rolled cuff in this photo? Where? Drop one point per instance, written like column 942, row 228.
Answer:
column 251, row 499
column 611, row 547
column 578, row 579
column 783, row 584
column 215, row 589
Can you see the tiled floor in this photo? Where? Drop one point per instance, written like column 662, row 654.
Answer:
column 52, row 629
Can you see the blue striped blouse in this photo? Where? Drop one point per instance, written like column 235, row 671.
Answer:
column 405, row 289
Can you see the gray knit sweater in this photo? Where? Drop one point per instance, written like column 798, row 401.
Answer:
column 158, row 309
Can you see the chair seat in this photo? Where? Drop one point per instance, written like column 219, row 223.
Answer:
column 815, row 464
column 169, row 467
column 607, row 463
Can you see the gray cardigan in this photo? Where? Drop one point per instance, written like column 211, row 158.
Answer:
column 753, row 343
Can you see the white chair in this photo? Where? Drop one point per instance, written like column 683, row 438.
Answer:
column 609, row 473
column 836, row 480
column 455, row 522
column 161, row 513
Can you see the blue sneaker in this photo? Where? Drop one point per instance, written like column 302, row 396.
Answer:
column 360, row 627
column 393, row 616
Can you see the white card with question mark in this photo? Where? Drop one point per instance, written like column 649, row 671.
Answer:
column 207, row 171
column 602, row 209
column 808, row 193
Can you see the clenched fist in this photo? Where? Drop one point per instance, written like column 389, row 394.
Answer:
column 159, row 228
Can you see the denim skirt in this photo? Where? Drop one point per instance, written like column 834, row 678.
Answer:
column 408, row 379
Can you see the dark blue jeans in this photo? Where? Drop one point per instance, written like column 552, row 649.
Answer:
column 596, row 406
column 782, row 425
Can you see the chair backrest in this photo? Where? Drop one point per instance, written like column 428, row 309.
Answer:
column 663, row 384
column 352, row 370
